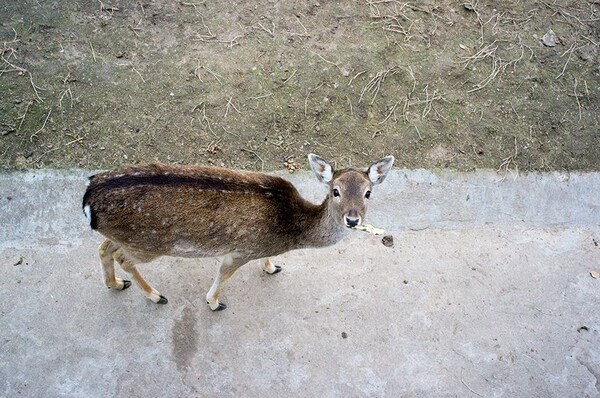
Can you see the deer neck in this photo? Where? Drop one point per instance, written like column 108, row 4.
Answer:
column 321, row 228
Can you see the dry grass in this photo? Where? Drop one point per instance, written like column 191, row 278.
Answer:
column 8, row 54
column 373, row 86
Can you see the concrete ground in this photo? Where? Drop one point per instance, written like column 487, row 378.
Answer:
column 487, row 292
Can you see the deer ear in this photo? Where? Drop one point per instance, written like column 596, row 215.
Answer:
column 321, row 168
column 379, row 170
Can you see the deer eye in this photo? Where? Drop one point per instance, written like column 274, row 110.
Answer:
column 368, row 194
column 336, row 193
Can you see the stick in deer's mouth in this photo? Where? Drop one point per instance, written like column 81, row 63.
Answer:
column 370, row 229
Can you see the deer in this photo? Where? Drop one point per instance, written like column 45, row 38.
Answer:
column 152, row 210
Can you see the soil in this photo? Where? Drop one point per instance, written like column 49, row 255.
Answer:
column 259, row 84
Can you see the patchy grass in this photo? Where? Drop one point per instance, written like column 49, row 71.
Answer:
column 259, row 85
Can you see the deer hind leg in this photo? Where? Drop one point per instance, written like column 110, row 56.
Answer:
column 106, row 251
column 270, row 268
column 129, row 266
column 229, row 265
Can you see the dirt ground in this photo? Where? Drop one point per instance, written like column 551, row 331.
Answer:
column 259, row 84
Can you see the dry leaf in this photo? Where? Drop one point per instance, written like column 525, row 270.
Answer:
column 594, row 274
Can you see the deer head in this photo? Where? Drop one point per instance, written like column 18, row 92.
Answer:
column 349, row 189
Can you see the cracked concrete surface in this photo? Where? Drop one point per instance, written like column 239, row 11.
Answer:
column 486, row 292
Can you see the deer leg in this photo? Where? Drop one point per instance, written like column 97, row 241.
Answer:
column 270, row 268
column 229, row 265
column 129, row 267
column 106, row 250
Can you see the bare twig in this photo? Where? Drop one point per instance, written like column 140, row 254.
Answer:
column 305, row 34
column 22, row 71
column 210, row 37
column 355, row 76
column 139, row 74
column 229, row 132
column 2, row 156
column 570, row 52
column 66, row 92
column 306, row 102
column 392, row 111
column 261, row 96
column 498, row 64
column 41, row 128
column 137, row 28
column 308, row 93
column 262, row 162
column 66, row 79
column 597, row 44
column 412, row 75
column 405, row 108
column 130, row 65
column 292, row 75
column 35, row 88
column 215, row 75
column 374, row 85
column 350, row 104
column 271, row 31
column 507, row 161
column 76, row 139
column 230, row 104
column 195, row 5
column 342, row 71
column 391, row 21
column 45, row 153
column 204, row 118
column 92, row 49
column 563, row 11
column 418, row 132
column 427, row 102
column 324, row 59
column 22, row 117
column 577, row 98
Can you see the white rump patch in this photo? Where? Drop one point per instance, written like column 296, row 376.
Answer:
column 87, row 210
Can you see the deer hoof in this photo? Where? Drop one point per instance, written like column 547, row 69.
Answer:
column 163, row 300
column 220, row 307
column 126, row 284
column 277, row 270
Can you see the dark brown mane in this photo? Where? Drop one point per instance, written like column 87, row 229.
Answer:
column 203, row 178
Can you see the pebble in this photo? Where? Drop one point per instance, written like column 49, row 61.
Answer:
column 388, row 240
column 549, row 39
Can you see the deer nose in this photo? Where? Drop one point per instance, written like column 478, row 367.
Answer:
column 352, row 219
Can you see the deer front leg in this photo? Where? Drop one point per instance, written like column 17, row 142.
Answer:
column 270, row 268
column 229, row 265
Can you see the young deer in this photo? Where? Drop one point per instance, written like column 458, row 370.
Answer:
column 193, row 211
